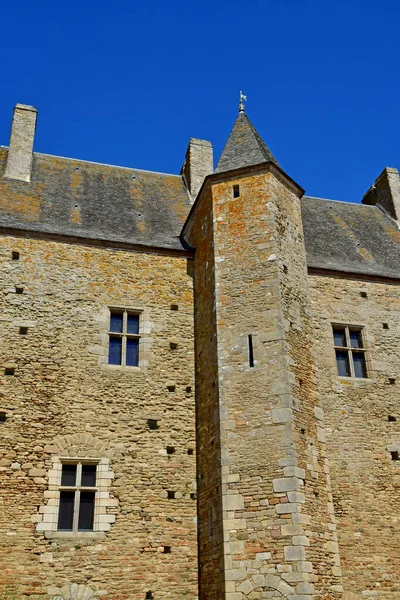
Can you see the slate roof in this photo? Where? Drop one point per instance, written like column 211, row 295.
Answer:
column 354, row 238
column 95, row 201
column 244, row 147
column 88, row 200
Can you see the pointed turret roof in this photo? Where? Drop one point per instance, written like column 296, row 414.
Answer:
column 244, row 147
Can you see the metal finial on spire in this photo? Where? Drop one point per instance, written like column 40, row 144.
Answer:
column 242, row 100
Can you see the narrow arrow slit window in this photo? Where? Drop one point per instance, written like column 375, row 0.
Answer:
column 251, row 351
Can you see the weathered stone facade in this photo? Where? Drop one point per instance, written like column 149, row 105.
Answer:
column 233, row 462
column 362, row 425
column 278, row 536
column 62, row 400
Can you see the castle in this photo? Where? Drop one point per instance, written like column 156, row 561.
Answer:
column 199, row 380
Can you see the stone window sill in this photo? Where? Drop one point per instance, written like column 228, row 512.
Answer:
column 355, row 379
column 76, row 536
column 123, row 368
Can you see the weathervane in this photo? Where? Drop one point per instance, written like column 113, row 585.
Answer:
column 242, row 100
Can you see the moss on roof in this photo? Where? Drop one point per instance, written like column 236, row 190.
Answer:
column 91, row 200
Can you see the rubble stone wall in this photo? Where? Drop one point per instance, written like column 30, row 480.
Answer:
column 362, row 427
column 60, row 398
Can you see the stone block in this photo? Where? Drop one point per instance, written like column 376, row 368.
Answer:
column 37, row 472
column 282, row 415
column 258, row 580
column 301, row 518
column 292, row 530
column 296, row 497
column 294, row 553
column 305, row 588
column 46, row 557
column 294, row 472
column 286, row 484
column 246, row 587
column 263, row 556
column 231, row 478
column 300, row 540
column 288, row 507
column 284, row 588
column 272, row 581
column 235, row 574
column 233, row 502
column 319, row 413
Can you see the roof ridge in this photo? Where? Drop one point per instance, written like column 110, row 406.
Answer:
column 338, row 201
column 263, row 146
column 93, row 162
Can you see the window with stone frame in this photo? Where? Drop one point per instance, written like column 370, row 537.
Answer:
column 77, row 496
column 124, row 337
column 350, row 351
column 78, row 500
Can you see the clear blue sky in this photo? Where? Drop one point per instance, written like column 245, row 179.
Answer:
column 129, row 82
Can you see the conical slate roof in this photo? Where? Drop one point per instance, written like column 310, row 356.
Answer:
column 244, row 147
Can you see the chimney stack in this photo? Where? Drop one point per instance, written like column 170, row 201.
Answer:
column 198, row 164
column 386, row 193
column 19, row 160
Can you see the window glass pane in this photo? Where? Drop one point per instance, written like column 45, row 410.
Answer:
column 339, row 336
column 66, row 511
column 68, row 475
column 88, row 475
column 86, row 511
column 343, row 365
column 116, row 322
column 115, row 351
column 132, row 353
column 359, row 364
column 133, row 324
column 356, row 339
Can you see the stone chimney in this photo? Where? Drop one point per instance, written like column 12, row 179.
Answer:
column 386, row 192
column 19, row 161
column 198, row 164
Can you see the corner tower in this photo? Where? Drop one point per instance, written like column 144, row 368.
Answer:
column 266, row 523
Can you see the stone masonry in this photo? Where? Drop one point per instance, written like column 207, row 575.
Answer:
column 231, row 461
column 362, row 426
column 278, row 537
column 61, row 399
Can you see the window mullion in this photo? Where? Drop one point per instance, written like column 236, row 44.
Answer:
column 352, row 373
column 76, row 511
column 77, row 496
column 124, row 330
column 123, row 351
column 78, row 474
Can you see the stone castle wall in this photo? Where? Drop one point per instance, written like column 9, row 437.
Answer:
column 278, row 534
column 211, row 550
column 59, row 398
column 362, row 425
column 296, row 466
